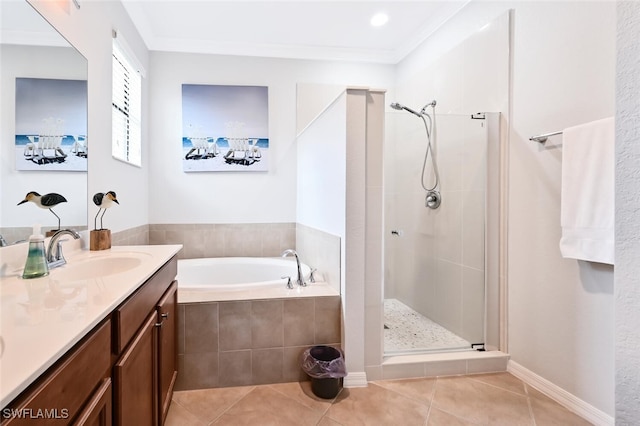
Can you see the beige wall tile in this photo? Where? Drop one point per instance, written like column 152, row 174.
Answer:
column 197, row 371
column 266, row 366
column 267, row 327
column 299, row 322
column 181, row 329
column 292, row 364
column 236, row 368
column 235, row 325
column 201, row 328
column 327, row 323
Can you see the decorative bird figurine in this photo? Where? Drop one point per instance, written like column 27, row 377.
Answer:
column 46, row 201
column 103, row 200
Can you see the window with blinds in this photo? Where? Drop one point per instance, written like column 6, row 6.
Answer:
column 126, row 108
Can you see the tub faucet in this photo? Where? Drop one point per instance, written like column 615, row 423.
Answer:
column 55, row 257
column 3, row 242
column 300, row 279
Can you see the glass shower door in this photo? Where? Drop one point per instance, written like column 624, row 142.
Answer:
column 435, row 258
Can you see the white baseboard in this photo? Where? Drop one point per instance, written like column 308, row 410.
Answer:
column 355, row 380
column 561, row 396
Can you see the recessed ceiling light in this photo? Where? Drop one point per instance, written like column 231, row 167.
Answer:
column 379, row 19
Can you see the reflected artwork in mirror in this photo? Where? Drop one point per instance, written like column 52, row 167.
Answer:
column 51, row 142
column 35, row 55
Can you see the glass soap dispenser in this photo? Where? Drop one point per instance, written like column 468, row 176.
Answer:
column 36, row 265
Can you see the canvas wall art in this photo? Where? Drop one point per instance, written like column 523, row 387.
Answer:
column 51, row 125
column 225, row 128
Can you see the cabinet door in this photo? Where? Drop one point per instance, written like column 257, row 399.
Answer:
column 62, row 393
column 98, row 410
column 135, row 379
column 167, row 350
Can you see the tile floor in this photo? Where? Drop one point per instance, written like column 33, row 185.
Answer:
column 483, row 399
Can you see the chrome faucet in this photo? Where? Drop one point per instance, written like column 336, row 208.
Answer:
column 300, row 279
column 55, row 257
column 3, row 242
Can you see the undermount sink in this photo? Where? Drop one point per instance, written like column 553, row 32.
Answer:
column 97, row 267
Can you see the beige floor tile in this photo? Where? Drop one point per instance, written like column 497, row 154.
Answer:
column 418, row 389
column 506, row 381
column 375, row 405
column 441, row 418
column 209, row 404
column 547, row 412
column 326, row 421
column 301, row 392
column 486, row 399
column 265, row 406
column 481, row 403
column 180, row 416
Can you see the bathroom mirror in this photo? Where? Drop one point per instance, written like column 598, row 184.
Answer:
column 30, row 48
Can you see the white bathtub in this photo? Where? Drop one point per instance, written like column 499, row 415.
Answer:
column 243, row 278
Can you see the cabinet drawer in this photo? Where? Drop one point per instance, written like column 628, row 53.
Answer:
column 63, row 391
column 98, row 410
column 132, row 313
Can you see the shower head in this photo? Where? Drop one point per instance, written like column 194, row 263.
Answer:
column 400, row 107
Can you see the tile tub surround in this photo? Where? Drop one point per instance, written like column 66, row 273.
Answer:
column 136, row 236
column 320, row 250
column 226, row 240
column 239, row 343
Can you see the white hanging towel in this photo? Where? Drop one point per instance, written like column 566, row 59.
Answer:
column 587, row 200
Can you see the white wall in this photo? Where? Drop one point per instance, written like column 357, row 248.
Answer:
column 88, row 29
column 627, row 293
column 322, row 170
column 560, row 317
column 234, row 197
column 560, row 310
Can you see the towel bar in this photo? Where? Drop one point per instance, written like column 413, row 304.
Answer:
column 543, row 138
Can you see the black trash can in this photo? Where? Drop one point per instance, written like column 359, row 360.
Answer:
column 325, row 366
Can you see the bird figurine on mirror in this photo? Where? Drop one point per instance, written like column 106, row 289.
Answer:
column 46, row 201
column 103, row 200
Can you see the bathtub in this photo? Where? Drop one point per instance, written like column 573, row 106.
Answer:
column 244, row 278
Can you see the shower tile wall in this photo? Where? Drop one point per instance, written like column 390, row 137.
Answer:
column 251, row 342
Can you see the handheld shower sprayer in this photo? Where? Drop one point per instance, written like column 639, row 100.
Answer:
column 433, row 194
column 401, row 107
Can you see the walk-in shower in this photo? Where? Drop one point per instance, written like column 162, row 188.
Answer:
column 433, row 197
column 436, row 259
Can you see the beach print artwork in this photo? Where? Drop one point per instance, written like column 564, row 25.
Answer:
column 225, row 128
column 51, row 125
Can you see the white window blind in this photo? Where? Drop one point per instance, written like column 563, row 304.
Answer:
column 126, row 106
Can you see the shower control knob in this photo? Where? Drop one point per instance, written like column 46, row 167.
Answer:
column 433, row 199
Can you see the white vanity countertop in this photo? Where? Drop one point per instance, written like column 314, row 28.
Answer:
column 42, row 318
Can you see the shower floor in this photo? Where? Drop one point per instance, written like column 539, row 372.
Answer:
column 406, row 331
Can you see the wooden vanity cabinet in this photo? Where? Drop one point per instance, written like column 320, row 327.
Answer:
column 122, row 372
column 65, row 392
column 145, row 342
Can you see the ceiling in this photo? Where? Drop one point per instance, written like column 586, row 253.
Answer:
column 302, row 29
